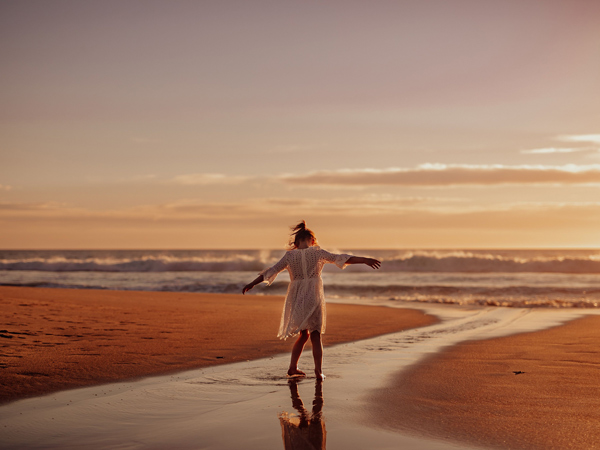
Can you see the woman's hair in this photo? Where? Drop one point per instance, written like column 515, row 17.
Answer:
column 300, row 233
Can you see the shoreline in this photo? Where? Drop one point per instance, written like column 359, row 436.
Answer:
column 57, row 339
column 534, row 390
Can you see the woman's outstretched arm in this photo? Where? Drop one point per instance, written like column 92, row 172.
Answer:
column 259, row 279
column 373, row 263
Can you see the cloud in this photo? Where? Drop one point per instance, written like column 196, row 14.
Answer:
column 554, row 150
column 590, row 138
column 424, row 175
column 438, row 175
column 4, row 187
column 573, row 138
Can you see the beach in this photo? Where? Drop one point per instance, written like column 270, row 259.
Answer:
column 54, row 339
column 428, row 170
column 536, row 390
column 423, row 377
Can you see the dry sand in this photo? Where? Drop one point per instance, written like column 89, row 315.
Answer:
column 54, row 339
column 470, row 392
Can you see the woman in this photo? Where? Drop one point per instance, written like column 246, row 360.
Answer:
column 304, row 308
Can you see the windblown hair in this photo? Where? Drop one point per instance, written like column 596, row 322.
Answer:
column 300, row 233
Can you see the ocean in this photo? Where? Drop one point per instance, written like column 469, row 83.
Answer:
column 504, row 278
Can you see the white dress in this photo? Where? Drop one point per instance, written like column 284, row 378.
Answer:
column 304, row 307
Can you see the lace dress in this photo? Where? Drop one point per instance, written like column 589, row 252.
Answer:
column 304, row 307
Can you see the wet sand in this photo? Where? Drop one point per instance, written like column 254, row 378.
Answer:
column 241, row 405
column 470, row 393
column 55, row 339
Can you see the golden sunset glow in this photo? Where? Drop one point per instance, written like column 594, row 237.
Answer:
column 461, row 124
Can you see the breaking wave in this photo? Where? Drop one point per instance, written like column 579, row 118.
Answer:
column 408, row 261
column 143, row 264
column 488, row 262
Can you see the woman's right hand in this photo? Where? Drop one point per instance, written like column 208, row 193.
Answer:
column 259, row 279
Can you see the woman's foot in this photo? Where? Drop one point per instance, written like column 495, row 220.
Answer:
column 320, row 376
column 295, row 373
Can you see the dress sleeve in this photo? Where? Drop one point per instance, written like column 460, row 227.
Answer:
column 339, row 259
column 271, row 273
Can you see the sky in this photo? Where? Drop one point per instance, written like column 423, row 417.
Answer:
column 219, row 124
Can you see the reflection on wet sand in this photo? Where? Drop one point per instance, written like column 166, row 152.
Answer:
column 304, row 431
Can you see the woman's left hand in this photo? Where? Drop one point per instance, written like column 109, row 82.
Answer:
column 373, row 263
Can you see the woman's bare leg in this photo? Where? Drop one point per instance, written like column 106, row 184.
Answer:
column 296, row 352
column 317, row 346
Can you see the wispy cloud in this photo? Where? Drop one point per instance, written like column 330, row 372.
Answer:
column 4, row 187
column 591, row 138
column 554, row 150
column 436, row 175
